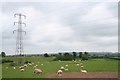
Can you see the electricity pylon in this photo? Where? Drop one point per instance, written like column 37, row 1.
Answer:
column 19, row 52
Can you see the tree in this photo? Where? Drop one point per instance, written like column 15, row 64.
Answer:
column 60, row 53
column 46, row 55
column 80, row 54
column 85, row 56
column 3, row 54
column 66, row 54
column 74, row 54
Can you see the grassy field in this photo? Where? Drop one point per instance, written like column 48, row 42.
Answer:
column 49, row 66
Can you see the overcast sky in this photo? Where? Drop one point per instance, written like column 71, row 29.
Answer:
column 59, row 27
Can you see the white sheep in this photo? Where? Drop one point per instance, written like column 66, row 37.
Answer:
column 14, row 67
column 66, row 69
column 77, row 64
column 59, row 72
column 21, row 67
column 82, row 66
column 62, row 68
column 42, row 64
column 66, row 65
column 21, row 70
column 83, row 71
column 25, row 65
column 38, row 71
column 29, row 64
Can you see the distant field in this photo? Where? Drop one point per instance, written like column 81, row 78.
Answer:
column 49, row 66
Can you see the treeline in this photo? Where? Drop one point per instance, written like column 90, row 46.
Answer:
column 72, row 56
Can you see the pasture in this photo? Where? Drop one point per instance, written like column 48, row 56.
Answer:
column 50, row 67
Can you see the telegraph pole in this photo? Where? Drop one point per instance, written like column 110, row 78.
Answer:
column 19, row 40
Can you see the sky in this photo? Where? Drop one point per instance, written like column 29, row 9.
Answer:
column 61, row 26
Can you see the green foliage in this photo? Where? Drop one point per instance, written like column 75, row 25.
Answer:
column 74, row 54
column 80, row 54
column 65, row 57
column 46, row 55
column 85, row 56
column 13, row 64
column 3, row 54
column 6, row 61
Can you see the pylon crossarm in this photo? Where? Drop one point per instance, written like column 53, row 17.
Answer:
column 24, row 24
column 14, row 31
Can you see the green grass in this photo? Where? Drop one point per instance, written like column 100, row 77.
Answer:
column 94, row 65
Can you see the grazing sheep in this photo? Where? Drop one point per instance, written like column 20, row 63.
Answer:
column 66, row 65
column 62, row 68
column 25, row 65
column 29, row 64
column 36, row 65
column 14, row 67
column 82, row 66
column 37, row 71
column 77, row 64
column 21, row 67
column 21, row 70
column 59, row 72
column 83, row 71
column 42, row 64
column 66, row 69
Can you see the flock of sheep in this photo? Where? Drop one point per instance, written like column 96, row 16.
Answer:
column 79, row 64
column 60, row 71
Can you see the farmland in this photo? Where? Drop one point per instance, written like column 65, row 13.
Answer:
column 50, row 67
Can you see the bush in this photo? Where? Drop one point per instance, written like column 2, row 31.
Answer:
column 6, row 61
column 64, row 57
column 46, row 55
column 26, row 62
column 13, row 64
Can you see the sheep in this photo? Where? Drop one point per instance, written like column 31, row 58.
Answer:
column 66, row 65
column 21, row 67
column 62, row 68
column 21, row 70
column 14, row 67
column 66, row 69
column 29, row 64
column 42, row 64
column 77, row 64
column 25, row 65
column 59, row 72
column 36, row 65
column 83, row 71
column 38, row 71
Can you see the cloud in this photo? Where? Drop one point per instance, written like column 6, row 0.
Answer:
column 63, row 27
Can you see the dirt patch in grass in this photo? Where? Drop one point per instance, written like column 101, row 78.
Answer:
column 85, row 75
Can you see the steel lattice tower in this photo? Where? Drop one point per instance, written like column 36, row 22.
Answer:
column 19, row 41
